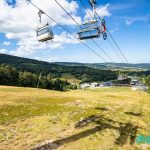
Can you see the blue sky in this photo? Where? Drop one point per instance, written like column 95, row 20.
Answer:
column 127, row 20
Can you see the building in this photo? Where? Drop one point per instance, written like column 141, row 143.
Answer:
column 94, row 84
column 85, row 85
column 106, row 84
column 135, row 82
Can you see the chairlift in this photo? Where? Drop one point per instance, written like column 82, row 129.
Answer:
column 44, row 33
column 89, row 30
column 93, row 28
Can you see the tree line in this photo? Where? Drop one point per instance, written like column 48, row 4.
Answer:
column 52, row 80
column 11, row 76
column 146, row 81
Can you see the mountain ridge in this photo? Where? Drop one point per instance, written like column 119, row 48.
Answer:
column 15, row 60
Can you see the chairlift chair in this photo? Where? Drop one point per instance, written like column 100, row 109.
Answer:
column 89, row 30
column 45, row 33
column 93, row 28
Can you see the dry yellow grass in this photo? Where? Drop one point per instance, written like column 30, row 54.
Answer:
column 98, row 119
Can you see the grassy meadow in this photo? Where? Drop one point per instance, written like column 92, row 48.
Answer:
column 70, row 78
column 92, row 119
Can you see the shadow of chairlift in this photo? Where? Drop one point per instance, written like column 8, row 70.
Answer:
column 127, row 131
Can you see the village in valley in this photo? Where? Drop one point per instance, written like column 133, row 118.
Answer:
column 134, row 82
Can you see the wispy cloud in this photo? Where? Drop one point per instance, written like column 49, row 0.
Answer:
column 6, row 43
column 3, row 51
column 114, row 30
column 131, row 20
column 103, row 11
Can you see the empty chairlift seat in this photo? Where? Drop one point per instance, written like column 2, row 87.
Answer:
column 45, row 33
column 89, row 30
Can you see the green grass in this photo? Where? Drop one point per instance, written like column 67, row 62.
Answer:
column 106, row 118
column 70, row 78
column 30, row 109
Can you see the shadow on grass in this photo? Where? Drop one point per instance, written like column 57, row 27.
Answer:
column 56, row 144
column 133, row 113
column 102, row 108
column 126, row 131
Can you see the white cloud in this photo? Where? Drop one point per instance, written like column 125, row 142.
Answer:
column 50, row 59
column 6, row 43
column 114, row 30
column 37, row 58
column 31, row 45
column 53, row 59
column 20, row 22
column 131, row 20
column 3, row 51
column 102, row 11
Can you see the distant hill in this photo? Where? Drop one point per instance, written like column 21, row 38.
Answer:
column 24, row 62
column 107, row 65
column 74, row 71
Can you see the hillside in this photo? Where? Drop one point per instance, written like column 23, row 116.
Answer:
column 80, row 72
column 106, row 118
column 39, row 66
column 29, row 64
column 24, row 62
column 140, row 66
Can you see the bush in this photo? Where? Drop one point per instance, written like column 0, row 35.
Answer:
column 72, row 87
column 8, row 75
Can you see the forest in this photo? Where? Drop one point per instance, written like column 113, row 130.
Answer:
column 25, row 72
column 52, row 80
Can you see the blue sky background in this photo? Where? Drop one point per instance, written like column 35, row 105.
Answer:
column 128, row 21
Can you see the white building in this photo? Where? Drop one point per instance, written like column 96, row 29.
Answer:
column 106, row 84
column 85, row 85
column 89, row 85
column 94, row 84
column 135, row 82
